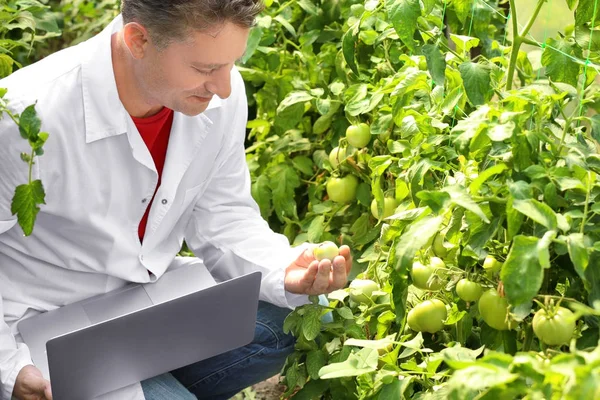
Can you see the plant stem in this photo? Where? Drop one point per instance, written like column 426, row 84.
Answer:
column 587, row 203
column 519, row 38
column 515, row 45
column 31, row 164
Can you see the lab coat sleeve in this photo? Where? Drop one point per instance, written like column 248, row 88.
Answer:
column 226, row 229
column 13, row 172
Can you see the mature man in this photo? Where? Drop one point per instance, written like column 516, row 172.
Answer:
column 147, row 124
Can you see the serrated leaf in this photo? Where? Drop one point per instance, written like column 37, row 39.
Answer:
column 558, row 60
column 261, row 192
column 578, row 253
column 463, row 9
column 477, row 82
column 414, row 239
column 315, row 360
column 349, row 43
column 464, row 43
column 345, row 312
column 436, row 63
column 484, row 176
column 286, row 24
column 361, row 362
column 316, row 229
column 460, row 197
column 522, row 272
column 283, row 181
column 585, row 12
column 403, row 15
column 29, row 123
column 311, row 323
column 538, row 212
column 25, row 204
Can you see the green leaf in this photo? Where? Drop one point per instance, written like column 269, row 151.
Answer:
column 463, row 9
column 315, row 360
column 286, row 24
column 254, row 39
column 261, row 192
column 522, row 272
column 484, row 176
column 414, row 239
column 25, row 203
column 539, row 212
column 294, row 98
column 466, row 383
column 403, row 15
column 345, row 312
column 464, row 43
column 316, row 228
column 283, row 180
column 458, row 357
column 585, row 12
column 579, row 254
column 436, row 63
column 361, row 362
column 477, row 81
column 311, row 323
column 29, row 123
column 557, row 58
column 349, row 43
column 304, row 165
column 460, row 197
column 396, row 389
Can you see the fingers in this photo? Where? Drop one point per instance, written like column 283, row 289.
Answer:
column 48, row 391
column 345, row 252
column 321, row 282
column 339, row 274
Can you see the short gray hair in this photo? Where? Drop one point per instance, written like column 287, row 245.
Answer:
column 169, row 21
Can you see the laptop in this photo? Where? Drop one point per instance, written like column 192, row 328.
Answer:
column 107, row 342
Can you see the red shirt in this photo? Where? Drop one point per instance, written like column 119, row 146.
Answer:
column 155, row 131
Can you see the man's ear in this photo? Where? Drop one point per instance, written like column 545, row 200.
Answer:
column 136, row 39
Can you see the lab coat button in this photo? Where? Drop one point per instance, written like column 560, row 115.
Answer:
column 164, row 201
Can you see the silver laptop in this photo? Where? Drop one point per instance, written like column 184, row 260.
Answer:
column 93, row 347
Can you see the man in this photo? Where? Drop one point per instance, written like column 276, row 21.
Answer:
column 147, row 123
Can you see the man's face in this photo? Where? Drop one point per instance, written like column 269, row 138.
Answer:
column 185, row 75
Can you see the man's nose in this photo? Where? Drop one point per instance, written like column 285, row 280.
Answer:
column 220, row 84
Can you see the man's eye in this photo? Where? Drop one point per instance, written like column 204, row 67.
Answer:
column 208, row 73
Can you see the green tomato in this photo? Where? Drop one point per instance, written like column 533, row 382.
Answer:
column 342, row 190
column 358, row 135
column 422, row 277
column 494, row 310
column 389, row 207
column 554, row 328
column 336, row 156
column 468, row 290
column 362, row 289
column 428, row 316
column 492, row 265
column 326, row 250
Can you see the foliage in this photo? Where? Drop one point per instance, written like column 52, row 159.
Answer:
column 485, row 155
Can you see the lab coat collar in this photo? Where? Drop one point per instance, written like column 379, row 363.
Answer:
column 105, row 115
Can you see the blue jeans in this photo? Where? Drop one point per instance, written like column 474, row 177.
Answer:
column 222, row 376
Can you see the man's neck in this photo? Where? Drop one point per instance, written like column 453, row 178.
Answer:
column 130, row 92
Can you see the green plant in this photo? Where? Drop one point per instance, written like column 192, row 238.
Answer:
column 488, row 155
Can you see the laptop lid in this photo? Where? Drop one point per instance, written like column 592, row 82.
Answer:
column 176, row 282
column 104, row 357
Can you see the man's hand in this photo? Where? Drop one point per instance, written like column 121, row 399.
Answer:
column 308, row 276
column 31, row 385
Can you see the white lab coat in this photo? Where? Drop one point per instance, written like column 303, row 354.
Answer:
column 99, row 178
